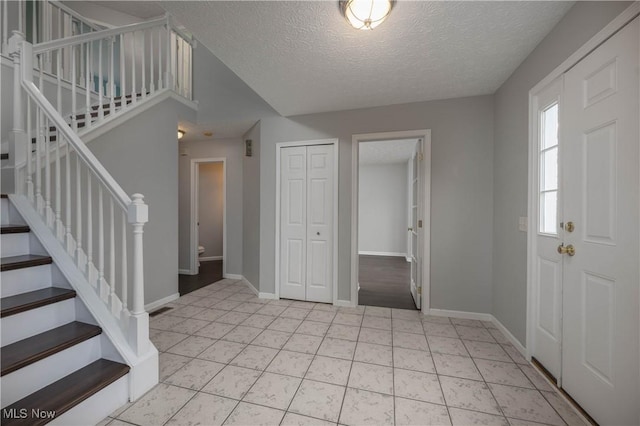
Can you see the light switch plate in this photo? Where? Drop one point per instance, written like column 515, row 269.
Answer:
column 523, row 223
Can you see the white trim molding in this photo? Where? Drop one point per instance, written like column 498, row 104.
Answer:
column 461, row 314
column 425, row 135
column 233, row 276
column 193, row 213
column 344, row 304
column 160, row 302
column 209, row 258
column 185, row 272
column 383, row 253
column 336, row 167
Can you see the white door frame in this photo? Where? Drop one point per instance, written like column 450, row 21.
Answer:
column 613, row 27
column 425, row 134
column 195, row 202
column 279, row 146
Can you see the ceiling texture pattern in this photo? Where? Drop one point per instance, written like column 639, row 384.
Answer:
column 303, row 57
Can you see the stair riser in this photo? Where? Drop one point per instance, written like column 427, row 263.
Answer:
column 26, row 324
column 29, row 379
column 14, row 244
column 95, row 409
column 25, row 279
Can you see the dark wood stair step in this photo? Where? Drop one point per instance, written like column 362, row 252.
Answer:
column 14, row 229
column 23, row 261
column 4, row 156
column 34, row 299
column 66, row 393
column 4, row 196
column 35, row 348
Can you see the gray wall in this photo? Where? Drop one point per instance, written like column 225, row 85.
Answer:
column 211, row 208
column 582, row 22
column 462, row 176
column 231, row 149
column 383, row 205
column 251, row 204
column 150, row 167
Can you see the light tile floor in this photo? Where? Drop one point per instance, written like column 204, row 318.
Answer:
column 227, row 357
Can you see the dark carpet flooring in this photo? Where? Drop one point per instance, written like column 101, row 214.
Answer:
column 385, row 281
column 210, row 272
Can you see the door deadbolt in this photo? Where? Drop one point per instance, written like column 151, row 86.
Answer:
column 569, row 227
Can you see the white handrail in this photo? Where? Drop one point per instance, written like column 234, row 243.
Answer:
column 44, row 176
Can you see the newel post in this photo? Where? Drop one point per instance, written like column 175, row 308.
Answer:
column 138, row 215
column 17, row 136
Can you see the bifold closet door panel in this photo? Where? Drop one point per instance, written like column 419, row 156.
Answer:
column 293, row 222
column 319, row 267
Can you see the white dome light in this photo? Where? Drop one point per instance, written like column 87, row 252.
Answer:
column 366, row 14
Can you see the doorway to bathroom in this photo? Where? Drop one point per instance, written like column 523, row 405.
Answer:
column 208, row 224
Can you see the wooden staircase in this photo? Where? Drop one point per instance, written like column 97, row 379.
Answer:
column 51, row 359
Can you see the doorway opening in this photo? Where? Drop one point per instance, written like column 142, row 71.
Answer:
column 390, row 225
column 208, row 224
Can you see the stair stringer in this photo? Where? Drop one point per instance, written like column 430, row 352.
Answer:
column 144, row 373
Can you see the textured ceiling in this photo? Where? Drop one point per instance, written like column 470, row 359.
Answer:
column 302, row 57
column 386, row 152
column 139, row 9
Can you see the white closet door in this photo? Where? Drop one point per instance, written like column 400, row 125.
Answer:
column 600, row 365
column 319, row 223
column 293, row 222
column 306, row 223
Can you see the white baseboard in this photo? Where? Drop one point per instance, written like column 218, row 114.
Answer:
column 460, row 314
column 382, row 253
column 185, row 272
column 481, row 317
column 267, row 295
column 408, row 259
column 251, row 286
column 233, row 276
column 344, row 303
column 153, row 305
column 206, row 258
column 515, row 342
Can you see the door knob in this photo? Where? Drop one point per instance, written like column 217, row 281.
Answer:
column 569, row 249
column 317, row 233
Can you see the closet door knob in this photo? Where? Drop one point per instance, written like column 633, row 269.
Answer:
column 317, row 233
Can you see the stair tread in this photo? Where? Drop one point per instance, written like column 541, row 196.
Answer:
column 67, row 392
column 14, row 229
column 23, row 261
column 35, row 348
column 4, row 156
column 34, row 299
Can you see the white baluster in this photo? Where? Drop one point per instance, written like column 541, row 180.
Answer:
column 101, row 282
column 112, row 250
column 5, row 26
column 112, row 77
column 67, row 184
column 133, row 68
column 123, row 99
column 168, row 81
column 100, row 83
column 59, row 80
column 74, row 120
column 34, row 24
column 123, row 266
column 90, row 266
column 39, row 204
column 152, row 86
column 87, row 116
column 59, row 228
column 29, row 146
column 47, row 172
column 79, row 258
column 160, row 75
column 144, row 68
column 20, row 16
column 83, row 64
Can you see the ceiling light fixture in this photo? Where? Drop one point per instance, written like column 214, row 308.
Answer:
column 365, row 14
column 180, row 134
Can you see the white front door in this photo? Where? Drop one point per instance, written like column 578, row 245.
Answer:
column 416, row 253
column 601, row 359
column 306, row 223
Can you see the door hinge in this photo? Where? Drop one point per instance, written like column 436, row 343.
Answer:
column 420, row 223
column 420, row 290
column 420, row 156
